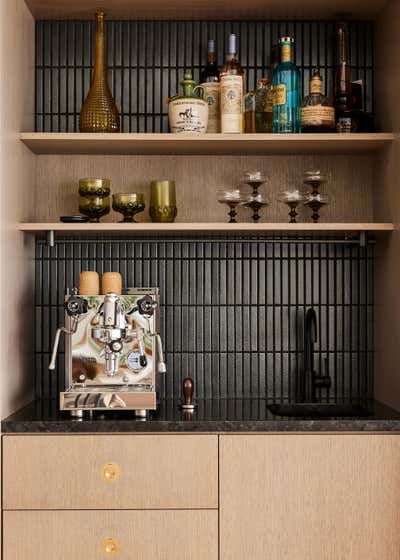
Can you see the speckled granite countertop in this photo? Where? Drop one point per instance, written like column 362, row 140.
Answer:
column 211, row 415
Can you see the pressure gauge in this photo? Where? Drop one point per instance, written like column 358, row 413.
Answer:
column 133, row 361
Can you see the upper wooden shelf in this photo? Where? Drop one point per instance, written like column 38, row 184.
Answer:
column 207, row 227
column 207, row 144
column 206, row 9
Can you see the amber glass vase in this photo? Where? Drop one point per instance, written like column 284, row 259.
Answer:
column 99, row 112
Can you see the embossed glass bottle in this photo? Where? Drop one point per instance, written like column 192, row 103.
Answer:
column 286, row 82
column 99, row 112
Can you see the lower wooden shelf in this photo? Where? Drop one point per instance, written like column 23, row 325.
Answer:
column 206, row 227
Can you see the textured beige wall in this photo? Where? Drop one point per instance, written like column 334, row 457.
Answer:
column 17, row 168
column 350, row 186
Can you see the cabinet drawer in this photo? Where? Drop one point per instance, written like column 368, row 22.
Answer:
column 110, row 472
column 124, row 535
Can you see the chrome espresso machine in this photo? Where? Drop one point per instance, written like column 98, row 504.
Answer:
column 113, row 352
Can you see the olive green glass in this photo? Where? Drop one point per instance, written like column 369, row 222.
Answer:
column 163, row 201
column 92, row 187
column 94, row 208
column 128, row 204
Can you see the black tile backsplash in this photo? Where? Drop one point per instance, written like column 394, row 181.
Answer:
column 146, row 61
column 232, row 310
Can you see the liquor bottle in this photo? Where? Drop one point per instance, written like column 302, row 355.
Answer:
column 344, row 100
column 286, row 82
column 99, row 113
column 317, row 114
column 209, row 79
column 263, row 106
column 231, row 91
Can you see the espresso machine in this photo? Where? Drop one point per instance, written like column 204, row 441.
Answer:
column 113, row 352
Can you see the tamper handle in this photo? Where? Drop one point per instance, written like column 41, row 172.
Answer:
column 188, row 389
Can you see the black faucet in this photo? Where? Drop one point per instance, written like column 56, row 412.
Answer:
column 310, row 381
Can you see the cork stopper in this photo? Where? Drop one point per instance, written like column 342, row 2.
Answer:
column 111, row 282
column 89, row 283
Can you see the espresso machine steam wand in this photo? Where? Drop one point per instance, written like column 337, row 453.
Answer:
column 75, row 306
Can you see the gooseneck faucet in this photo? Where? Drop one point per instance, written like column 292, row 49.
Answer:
column 310, row 381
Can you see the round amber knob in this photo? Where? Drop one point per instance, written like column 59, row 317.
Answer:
column 110, row 472
column 110, row 547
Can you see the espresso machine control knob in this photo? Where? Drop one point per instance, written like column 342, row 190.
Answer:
column 188, row 390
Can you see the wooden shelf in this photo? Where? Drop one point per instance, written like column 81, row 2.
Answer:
column 204, row 9
column 207, row 144
column 206, row 227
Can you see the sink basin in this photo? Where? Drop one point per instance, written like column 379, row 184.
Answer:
column 318, row 410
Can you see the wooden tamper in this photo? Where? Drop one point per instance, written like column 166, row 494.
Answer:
column 187, row 390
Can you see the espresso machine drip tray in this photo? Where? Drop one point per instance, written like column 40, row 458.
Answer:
column 109, row 398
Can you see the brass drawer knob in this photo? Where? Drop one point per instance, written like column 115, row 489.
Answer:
column 110, row 547
column 110, row 472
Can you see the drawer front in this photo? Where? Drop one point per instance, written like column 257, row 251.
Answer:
column 124, row 535
column 110, row 472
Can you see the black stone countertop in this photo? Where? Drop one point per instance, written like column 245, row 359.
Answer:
column 211, row 415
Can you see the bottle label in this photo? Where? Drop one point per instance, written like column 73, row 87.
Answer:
column 318, row 115
column 211, row 90
column 231, row 103
column 280, row 94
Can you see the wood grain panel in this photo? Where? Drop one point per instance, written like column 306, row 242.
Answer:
column 387, row 206
column 140, row 535
column 203, row 9
column 204, row 144
column 351, row 181
column 65, row 472
column 199, row 227
column 309, row 497
column 18, row 169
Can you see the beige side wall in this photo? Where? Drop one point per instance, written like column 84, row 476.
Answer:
column 17, row 168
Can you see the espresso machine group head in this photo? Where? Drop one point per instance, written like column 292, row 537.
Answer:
column 113, row 351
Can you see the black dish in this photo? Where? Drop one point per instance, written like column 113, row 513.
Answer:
column 74, row 219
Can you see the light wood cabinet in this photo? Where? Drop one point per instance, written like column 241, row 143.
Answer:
column 124, row 535
column 310, row 497
column 110, row 472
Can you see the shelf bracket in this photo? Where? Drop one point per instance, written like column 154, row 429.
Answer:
column 50, row 237
column 363, row 239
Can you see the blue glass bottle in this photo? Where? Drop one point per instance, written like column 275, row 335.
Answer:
column 286, row 81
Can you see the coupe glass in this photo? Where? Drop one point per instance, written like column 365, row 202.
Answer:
column 232, row 198
column 291, row 198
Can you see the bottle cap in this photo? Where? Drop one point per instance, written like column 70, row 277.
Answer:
column 286, row 41
column 211, row 46
column 232, row 44
column 263, row 82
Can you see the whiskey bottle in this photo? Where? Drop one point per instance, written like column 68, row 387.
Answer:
column 317, row 114
column 286, row 82
column 231, row 91
column 209, row 79
column 344, row 100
